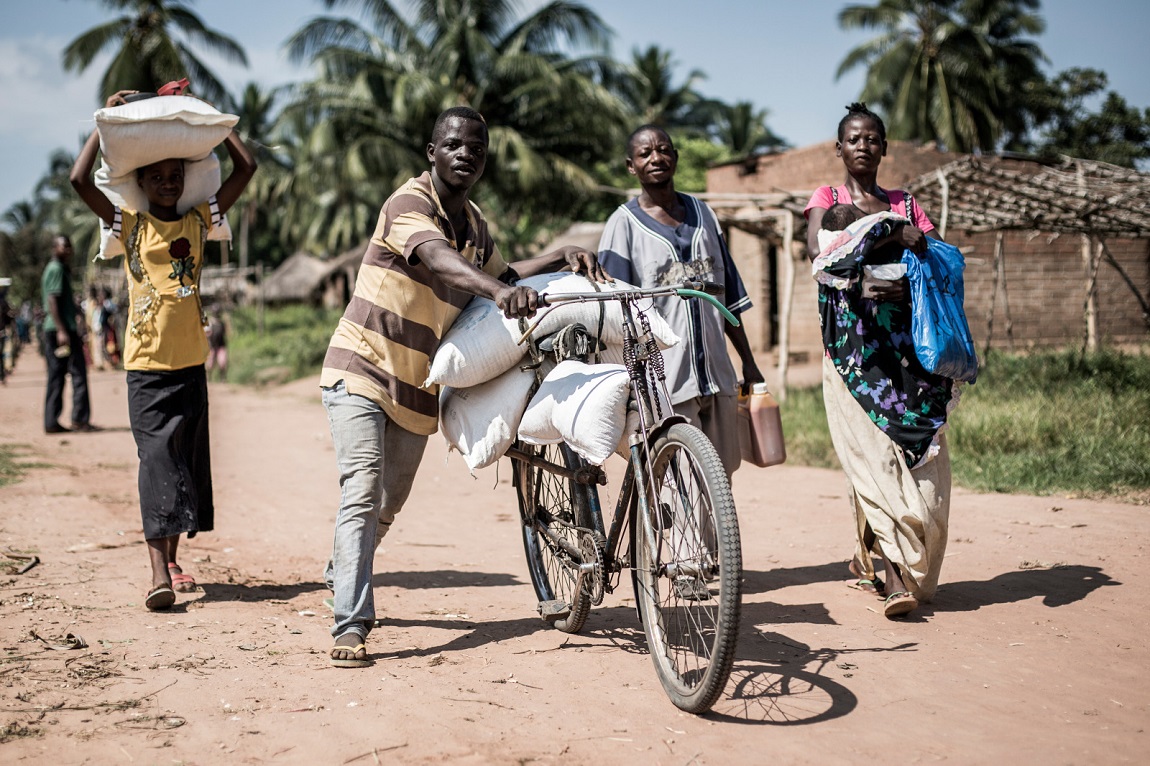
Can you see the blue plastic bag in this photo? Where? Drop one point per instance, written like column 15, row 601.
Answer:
column 942, row 337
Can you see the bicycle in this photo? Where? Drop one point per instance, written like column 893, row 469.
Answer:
column 674, row 526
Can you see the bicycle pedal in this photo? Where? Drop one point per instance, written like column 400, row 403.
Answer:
column 554, row 610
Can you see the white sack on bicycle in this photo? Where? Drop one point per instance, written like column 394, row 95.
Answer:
column 582, row 404
column 483, row 343
column 481, row 422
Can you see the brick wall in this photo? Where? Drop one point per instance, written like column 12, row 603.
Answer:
column 813, row 166
column 1046, row 289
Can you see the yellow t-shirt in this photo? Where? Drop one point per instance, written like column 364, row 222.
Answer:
column 165, row 323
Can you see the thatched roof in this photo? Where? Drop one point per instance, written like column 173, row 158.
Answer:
column 1071, row 196
column 296, row 279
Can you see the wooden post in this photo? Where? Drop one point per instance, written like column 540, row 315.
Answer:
column 260, row 308
column 1093, row 254
column 1005, row 296
column 993, row 295
column 788, row 298
column 1090, row 270
column 247, row 212
column 766, row 336
column 1090, row 305
column 944, row 192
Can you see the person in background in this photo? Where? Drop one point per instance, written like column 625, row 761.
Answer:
column 217, row 331
column 63, row 348
column 92, row 312
column 7, row 345
column 664, row 237
column 110, row 333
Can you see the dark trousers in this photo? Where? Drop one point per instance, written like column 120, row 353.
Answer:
column 73, row 365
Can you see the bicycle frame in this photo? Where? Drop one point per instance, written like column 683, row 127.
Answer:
column 651, row 425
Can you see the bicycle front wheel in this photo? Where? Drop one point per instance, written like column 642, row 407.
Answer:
column 553, row 510
column 689, row 568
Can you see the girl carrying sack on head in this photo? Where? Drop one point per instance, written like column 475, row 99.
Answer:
column 150, row 148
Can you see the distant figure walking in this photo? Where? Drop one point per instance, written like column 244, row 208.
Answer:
column 217, row 331
column 63, row 348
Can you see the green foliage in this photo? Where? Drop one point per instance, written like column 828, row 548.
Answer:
column 291, row 345
column 1050, row 423
column 151, row 45
column 805, row 429
column 695, row 156
column 1056, row 423
column 1116, row 133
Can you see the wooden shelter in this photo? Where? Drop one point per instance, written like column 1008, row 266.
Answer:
column 1092, row 201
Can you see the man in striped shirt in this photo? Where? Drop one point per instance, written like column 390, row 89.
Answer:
column 431, row 251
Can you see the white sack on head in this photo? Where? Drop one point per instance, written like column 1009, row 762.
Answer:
column 483, row 343
column 584, row 405
column 161, row 128
column 481, row 422
column 165, row 127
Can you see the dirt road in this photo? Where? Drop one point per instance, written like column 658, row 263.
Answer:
column 1035, row 651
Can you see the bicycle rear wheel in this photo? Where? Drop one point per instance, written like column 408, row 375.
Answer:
column 688, row 566
column 551, row 508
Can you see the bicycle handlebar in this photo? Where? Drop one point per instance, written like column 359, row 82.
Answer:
column 702, row 290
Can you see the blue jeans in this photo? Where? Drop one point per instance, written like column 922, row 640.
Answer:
column 377, row 463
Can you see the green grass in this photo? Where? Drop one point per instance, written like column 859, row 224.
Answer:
column 292, row 344
column 14, row 464
column 1047, row 423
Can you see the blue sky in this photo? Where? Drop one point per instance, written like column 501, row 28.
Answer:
column 779, row 54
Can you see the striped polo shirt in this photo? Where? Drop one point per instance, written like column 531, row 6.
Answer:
column 384, row 343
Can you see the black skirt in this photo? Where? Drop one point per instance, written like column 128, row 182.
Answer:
column 169, row 415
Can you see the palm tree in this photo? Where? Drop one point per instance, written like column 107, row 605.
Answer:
column 256, row 110
column 743, row 130
column 1019, row 78
column 153, row 40
column 943, row 70
column 382, row 84
column 25, row 249
column 651, row 95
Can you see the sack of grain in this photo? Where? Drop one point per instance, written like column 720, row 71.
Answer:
column 483, row 343
column 584, row 405
column 143, row 132
column 481, row 422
